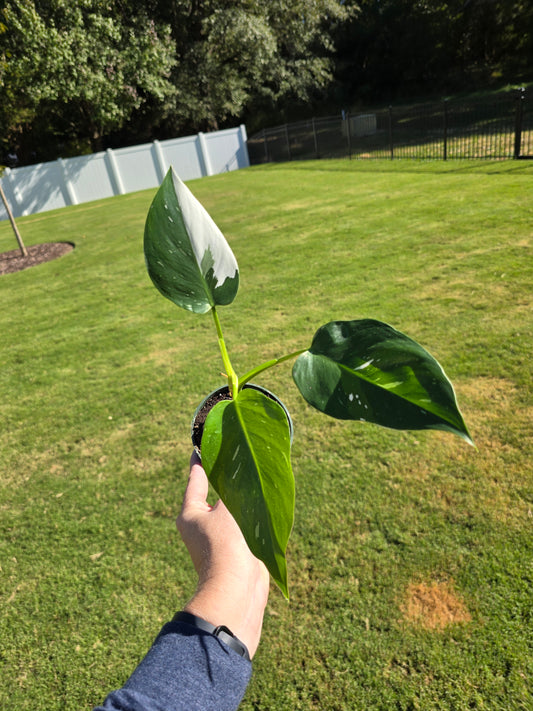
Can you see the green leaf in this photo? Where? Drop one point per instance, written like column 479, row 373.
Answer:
column 366, row 370
column 246, row 455
column 187, row 256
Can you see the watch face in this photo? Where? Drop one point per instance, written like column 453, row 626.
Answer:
column 227, row 636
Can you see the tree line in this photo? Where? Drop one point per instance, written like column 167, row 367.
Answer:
column 80, row 75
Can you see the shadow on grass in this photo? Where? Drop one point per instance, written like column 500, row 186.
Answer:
column 407, row 165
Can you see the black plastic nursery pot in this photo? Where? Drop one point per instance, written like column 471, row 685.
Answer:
column 203, row 409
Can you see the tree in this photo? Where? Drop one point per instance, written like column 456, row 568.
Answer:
column 80, row 69
column 233, row 57
column 394, row 48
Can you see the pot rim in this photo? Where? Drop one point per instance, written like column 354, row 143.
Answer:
column 262, row 389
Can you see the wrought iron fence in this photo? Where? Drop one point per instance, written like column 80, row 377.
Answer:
column 483, row 128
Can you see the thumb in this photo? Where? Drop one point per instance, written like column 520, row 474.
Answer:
column 197, row 486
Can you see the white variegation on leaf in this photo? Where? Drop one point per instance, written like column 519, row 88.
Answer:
column 206, row 238
column 187, row 256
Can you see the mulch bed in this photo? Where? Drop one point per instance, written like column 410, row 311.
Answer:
column 13, row 261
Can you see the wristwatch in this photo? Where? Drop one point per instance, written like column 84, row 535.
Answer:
column 221, row 632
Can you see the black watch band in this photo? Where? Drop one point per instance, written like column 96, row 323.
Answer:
column 221, row 632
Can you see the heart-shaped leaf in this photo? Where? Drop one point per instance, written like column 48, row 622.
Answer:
column 246, row 455
column 366, row 370
column 187, row 256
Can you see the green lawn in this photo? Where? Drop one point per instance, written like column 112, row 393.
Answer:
column 411, row 559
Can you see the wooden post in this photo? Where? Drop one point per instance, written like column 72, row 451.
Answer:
column 23, row 249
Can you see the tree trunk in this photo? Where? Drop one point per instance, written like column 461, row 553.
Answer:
column 22, row 248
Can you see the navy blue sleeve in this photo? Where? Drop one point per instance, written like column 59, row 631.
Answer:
column 186, row 669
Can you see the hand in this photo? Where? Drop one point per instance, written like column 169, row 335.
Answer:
column 232, row 583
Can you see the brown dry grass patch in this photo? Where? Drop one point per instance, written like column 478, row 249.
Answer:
column 434, row 606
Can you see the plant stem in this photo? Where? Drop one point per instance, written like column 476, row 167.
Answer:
column 269, row 364
column 233, row 380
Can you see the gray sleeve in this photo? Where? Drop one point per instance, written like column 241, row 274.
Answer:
column 186, row 669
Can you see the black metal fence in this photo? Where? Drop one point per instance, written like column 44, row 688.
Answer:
column 499, row 127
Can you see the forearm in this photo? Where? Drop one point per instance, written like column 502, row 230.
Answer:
column 185, row 670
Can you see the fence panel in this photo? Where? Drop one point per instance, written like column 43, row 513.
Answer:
column 481, row 129
column 484, row 128
column 185, row 155
column 333, row 140
column 87, row 178
column 226, row 150
column 35, row 186
column 417, row 134
column 137, row 167
column 47, row 186
column 375, row 141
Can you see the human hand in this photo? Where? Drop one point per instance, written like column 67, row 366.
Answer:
column 232, row 583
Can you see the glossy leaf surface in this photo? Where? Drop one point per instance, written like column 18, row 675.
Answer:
column 246, row 455
column 366, row 370
column 187, row 256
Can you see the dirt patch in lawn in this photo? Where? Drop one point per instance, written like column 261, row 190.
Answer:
column 14, row 261
column 433, row 606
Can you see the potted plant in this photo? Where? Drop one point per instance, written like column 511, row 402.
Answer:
column 355, row 370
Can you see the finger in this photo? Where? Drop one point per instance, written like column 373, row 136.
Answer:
column 197, row 486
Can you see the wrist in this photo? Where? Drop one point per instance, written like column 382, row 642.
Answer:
column 211, row 604
column 218, row 606
column 221, row 632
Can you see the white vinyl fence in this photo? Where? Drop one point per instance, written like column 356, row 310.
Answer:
column 70, row 181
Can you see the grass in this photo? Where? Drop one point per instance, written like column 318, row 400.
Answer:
column 411, row 558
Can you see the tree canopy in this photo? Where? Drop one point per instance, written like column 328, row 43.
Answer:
column 78, row 70
column 393, row 48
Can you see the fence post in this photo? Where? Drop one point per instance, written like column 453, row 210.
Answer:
column 243, row 142
column 348, row 135
column 520, row 96
column 445, row 145
column 315, row 136
column 160, row 162
column 204, row 152
column 265, row 143
column 71, row 193
column 287, row 139
column 115, row 172
column 391, row 142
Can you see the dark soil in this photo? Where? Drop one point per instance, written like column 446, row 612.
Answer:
column 218, row 396
column 13, row 261
column 201, row 417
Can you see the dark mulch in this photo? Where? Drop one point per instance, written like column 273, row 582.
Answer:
column 13, row 261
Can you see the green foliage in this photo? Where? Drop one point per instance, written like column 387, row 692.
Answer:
column 244, row 55
column 366, row 370
column 86, row 69
column 394, row 48
column 246, row 452
column 82, row 67
column 95, row 423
